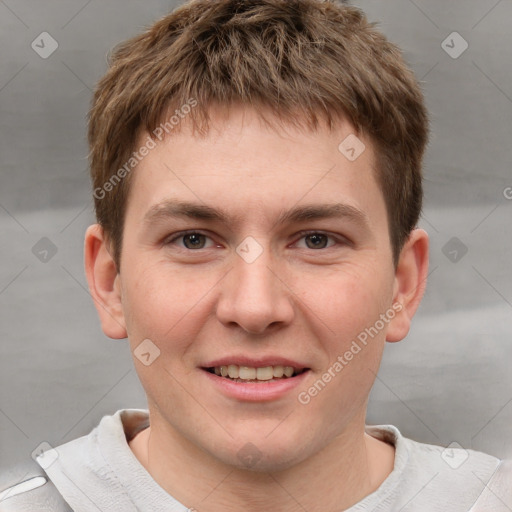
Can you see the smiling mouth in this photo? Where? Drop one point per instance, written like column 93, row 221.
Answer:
column 237, row 373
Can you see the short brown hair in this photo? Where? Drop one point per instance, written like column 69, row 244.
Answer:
column 304, row 61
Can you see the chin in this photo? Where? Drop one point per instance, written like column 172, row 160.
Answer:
column 255, row 460
column 262, row 454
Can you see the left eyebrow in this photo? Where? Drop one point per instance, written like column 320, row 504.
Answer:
column 325, row 211
column 172, row 209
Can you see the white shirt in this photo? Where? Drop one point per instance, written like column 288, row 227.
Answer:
column 99, row 472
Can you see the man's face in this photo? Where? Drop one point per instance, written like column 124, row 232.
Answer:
column 256, row 286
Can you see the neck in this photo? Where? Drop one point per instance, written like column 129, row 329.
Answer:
column 349, row 468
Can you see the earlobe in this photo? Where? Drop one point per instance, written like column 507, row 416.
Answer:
column 104, row 285
column 410, row 283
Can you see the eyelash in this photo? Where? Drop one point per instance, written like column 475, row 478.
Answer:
column 303, row 234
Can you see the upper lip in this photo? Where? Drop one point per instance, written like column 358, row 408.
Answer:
column 253, row 362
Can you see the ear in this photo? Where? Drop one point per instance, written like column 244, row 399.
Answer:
column 410, row 282
column 104, row 282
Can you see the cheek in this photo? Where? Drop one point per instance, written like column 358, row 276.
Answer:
column 169, row 309
column 345, row 302
column 349, row 304
column 162, row 305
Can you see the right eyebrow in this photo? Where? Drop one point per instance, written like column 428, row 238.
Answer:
column 171, row 208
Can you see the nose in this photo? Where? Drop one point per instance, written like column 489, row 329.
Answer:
column 255, row 297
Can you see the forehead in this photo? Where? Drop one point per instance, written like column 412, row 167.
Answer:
column 250, row 168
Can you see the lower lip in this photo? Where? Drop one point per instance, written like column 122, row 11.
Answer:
column 256, row 392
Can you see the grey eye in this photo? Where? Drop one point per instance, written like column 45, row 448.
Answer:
column 318, row 241
column 194, row 241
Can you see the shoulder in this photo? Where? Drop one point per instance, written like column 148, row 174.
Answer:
column 430, row 477
column 26, row 487
column 452, row 460
column 450, row 475
column 497, row 495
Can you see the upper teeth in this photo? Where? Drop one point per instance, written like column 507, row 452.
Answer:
column 247, row 373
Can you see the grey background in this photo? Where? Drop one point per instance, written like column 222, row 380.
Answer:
column 449, row 381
